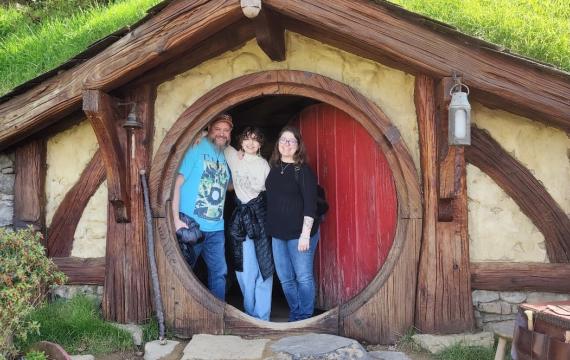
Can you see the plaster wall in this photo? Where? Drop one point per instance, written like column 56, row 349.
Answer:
column 392, row 90
column 498, row 230
column 91, row 233
column 68, row 153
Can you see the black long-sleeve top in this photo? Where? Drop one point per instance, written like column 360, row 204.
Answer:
column 289, row 200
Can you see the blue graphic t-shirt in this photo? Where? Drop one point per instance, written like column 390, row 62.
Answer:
column 206, row 178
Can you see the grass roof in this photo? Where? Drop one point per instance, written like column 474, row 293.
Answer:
column 39, row 35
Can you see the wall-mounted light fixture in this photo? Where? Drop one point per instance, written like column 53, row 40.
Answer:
column 250, row 8
column 132, row 124
column 459, row 129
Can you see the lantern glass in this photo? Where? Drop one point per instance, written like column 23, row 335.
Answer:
column 459, row 119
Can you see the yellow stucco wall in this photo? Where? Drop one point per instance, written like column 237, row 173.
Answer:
column 68, row 153
column 91, row 232
column 391, row 89
column 498, row 230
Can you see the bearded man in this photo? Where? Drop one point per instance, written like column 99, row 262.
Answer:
column 199, row 195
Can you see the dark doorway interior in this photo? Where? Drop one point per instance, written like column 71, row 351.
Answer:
column 270, row 113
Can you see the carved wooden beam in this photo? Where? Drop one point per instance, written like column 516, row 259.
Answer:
column 82, row 271
column 443, row 301
column 173, row 31
column 270, row 34
column 393, row 35
column 521, row 277
column 67, row 216
column 29, row 189
column 126, row 297
column 529, row 193
column 101, row 111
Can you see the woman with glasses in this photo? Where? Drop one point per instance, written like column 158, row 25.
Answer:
column 251, row 246
column 291, row 211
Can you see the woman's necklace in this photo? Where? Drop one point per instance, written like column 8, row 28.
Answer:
column 284, row 167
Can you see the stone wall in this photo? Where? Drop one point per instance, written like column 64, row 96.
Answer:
column 492, row 307
column 6, row 189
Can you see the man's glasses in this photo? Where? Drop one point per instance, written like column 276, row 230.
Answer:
column 284, row 141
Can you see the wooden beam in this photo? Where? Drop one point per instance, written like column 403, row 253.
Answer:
column 82, row 271
column 126, row 296
column 67, row 216
column 175, row 30
column 382, row 33
column 529, row 193
column 29, row 185
column 227, row 39
column 270, row 34
column 521, row 277
column 101, row 111
column 443, row 301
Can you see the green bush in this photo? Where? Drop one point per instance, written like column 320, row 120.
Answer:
column 35, row 355
column 25, row 275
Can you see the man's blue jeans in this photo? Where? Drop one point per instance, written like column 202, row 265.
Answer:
column 295, row 272
column 256, row 291
column 214, row 254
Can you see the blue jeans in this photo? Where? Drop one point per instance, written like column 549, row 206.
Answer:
column 214, row 254
column 295, row 272
column 256, row 291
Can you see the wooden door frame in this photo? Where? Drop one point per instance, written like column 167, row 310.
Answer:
column 318, row 87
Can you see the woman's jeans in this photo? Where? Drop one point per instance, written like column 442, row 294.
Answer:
column 295, row 271
column 212, row 250
column 256, row 291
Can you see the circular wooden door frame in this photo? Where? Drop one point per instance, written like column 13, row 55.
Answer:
column 283, row 82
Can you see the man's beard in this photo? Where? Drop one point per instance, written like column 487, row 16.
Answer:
column 218, row 146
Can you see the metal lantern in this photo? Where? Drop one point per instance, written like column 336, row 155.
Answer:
column 459, row 116
column 250, row 8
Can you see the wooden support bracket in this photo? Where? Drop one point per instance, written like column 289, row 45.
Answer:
column 270, row 34
column 100, row 109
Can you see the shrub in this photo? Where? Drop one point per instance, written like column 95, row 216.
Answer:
column 25, row 275
column 35, row 355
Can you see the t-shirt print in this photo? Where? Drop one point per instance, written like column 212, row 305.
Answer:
column 211, row 194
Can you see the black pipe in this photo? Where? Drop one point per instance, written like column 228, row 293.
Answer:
column 152, row 260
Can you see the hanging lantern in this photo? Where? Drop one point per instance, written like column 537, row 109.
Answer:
column 459, row 129
column 250, row 8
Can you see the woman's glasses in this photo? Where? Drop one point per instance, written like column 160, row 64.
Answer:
column 284, row 141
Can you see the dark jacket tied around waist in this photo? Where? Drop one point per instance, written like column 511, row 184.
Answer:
column 249, row 220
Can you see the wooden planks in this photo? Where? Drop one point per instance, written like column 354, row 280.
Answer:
column 521, row 277
column 444, row 295
column 176, row 29
column 82, row 271
column 29, row 189
column 67, row 216
column 529, row 193
column 358, row 230
column 382, row 34
column 126, row 297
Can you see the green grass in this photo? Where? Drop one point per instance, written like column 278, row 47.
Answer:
column 459, row 352
column 539, row 29
column 36, row 40
column 78, row 327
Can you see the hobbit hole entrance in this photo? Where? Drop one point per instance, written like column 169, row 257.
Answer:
column 359, row 228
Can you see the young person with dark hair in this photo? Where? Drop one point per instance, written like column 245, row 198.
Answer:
column 251, row 250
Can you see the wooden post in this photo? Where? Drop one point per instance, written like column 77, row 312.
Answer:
column 126, row 296
column 29, row 189
column 443, row 303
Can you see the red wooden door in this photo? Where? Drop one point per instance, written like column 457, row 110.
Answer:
column 359, row 228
